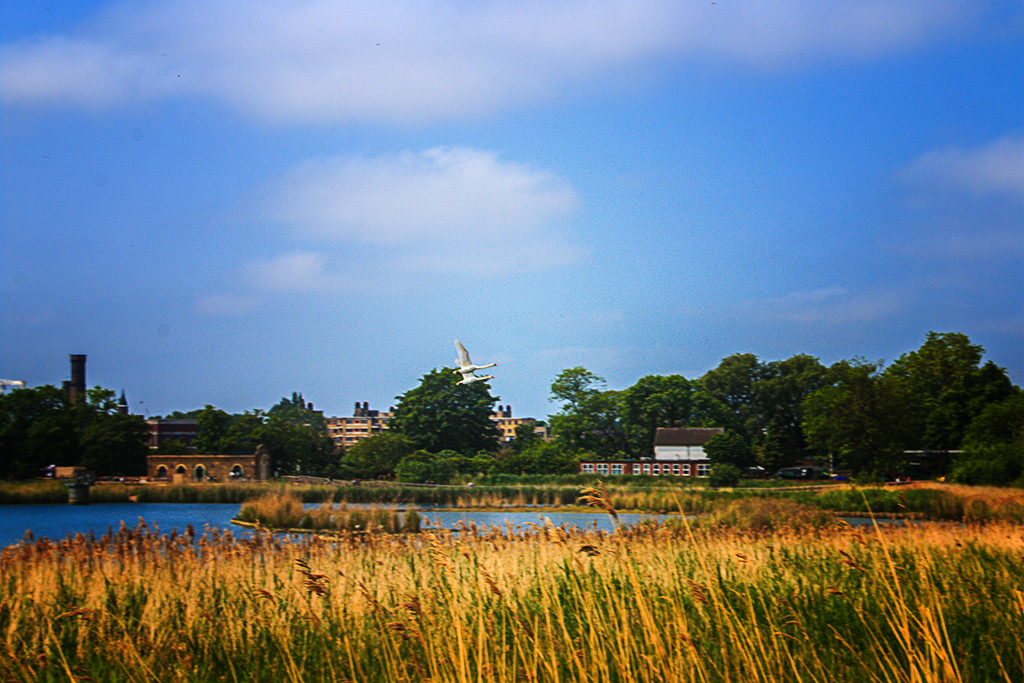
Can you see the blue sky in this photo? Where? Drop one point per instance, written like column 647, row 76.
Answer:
column 224, row 203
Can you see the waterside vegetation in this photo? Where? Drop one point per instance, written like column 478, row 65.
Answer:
column 926, row 500
column 928, row 602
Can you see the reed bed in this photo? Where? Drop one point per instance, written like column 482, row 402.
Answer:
column 277, row 511
column 926, row 603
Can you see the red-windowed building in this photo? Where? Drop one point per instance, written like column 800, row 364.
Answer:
column 678, row 452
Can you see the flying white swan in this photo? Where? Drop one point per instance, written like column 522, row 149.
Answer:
column 469, row 378
column 466, row 366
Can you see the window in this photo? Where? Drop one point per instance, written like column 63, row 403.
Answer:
column 656, row 470
column 647, row 468
column 686, row 470
column 636, row 468
column 703, row 469
column 587, row 468
column 675, row 469
column 617, row 468
column 602, row 468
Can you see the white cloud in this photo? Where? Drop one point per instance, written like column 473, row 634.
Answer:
column 410, row 61
column 830, row 305
column 997, row 168
column 441, row 210
column 292, row 272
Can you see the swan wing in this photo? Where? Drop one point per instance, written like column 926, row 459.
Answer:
column 463, row 359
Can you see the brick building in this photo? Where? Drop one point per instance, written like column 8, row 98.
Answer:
column 678, row 452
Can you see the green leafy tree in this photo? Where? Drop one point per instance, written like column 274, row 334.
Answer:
column 377, row 456
column 946, row 388
column 733, row 383
column 542, row 458
column 213, row 425
column 298, row 447
column 172, row 448
column 115, row 445
column 589, row 418
column 40, row 427
column 947, row 421
column 943, row 360
column 526, row 437
column 245, row 434
column 422, row 467
column 37, row 429
column 766, row 402
column 780, row 394
column 665, row 401
column 440, row 414
column 729, row 448
column 111, row 444
column 993, row 451
column 297, row 411
column 860, row 418
column 296, row 437
column 725, row 475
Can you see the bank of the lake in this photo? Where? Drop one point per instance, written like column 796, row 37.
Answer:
column 922, row 500
column 58, row 522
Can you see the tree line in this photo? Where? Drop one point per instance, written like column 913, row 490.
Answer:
column 41, row 427
column 940, row 405
column 941, row 408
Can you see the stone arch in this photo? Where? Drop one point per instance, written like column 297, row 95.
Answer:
column 199, row 473
column 237, row 472
column 161, row 472
column 180, row 470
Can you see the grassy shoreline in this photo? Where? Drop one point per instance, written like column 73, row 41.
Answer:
column 924, row 499
column 932, row 602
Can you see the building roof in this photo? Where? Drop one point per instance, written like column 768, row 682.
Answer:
column 685, row 436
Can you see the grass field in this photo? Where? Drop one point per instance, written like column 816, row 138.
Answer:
column 929, row 602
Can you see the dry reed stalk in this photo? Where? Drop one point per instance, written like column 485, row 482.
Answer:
column 529, row 605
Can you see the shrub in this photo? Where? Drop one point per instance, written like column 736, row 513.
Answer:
column 724, row 474
column 766, row 515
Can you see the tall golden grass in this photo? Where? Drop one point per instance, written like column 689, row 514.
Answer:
column 926, row 603
column 284, row 511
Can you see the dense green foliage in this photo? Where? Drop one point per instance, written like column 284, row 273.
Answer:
column 40, row 427
column 589, row 419
column 295, row 435
column 377, row 456
column 868, row 417
column 441, row 414
column 766, row 404
column 938, row 410
column 993, row 447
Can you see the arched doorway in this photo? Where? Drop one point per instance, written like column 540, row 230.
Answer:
column 237, row 472
column 200, row 473
column 181, row 470
column 161, row 472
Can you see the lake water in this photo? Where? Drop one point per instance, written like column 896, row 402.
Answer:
column 58, row 521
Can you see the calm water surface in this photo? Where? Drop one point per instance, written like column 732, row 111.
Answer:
column 59, row 521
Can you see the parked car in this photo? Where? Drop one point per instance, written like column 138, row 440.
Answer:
column 802, row 473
